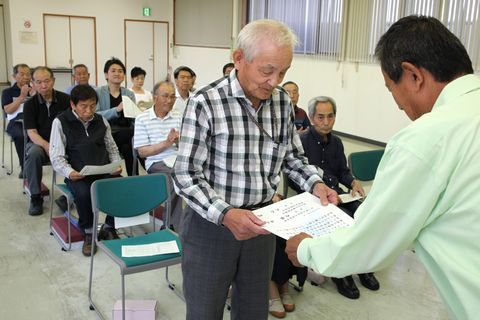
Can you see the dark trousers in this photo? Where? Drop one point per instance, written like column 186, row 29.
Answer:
column 83, row 200
column 15, row 130
column 123, row 139
column 35, row 158
column 283, row 268
column 212, row 260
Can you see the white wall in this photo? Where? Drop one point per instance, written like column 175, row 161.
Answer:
column 109, row 14
column 365, row 107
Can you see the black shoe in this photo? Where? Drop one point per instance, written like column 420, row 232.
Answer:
column 107, row 233
column 62, row 203
column 36, row 206
column 346, row 287
column 20, row 175
column 87, row 245
column 369, row 281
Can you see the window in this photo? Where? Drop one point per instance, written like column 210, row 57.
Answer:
column 317, row 23
column 323, row 30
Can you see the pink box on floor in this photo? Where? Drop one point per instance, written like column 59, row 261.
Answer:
column 135, row 310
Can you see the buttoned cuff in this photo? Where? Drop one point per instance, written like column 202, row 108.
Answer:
column 217, row 210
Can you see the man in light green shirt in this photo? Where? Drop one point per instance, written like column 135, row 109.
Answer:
column 426, row 189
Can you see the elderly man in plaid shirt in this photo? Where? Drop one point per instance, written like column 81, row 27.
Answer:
column 237, row 134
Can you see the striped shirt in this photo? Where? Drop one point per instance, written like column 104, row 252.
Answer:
column 150, row 130
column 226, row 161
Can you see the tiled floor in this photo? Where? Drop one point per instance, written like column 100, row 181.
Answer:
column 39, row 281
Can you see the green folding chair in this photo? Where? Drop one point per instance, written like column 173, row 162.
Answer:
column 129, row 197
column 364, row 164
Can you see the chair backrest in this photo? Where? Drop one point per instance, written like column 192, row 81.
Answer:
column 364, row 164
column 129, row 196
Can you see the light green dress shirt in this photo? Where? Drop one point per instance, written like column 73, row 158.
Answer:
column 426, row 193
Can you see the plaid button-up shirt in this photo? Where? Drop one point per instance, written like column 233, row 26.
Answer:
column 225, row 160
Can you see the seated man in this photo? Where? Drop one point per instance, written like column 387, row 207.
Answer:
column 81, row 137
column 110, row 106
column 156, row 137
column 184, row 81
column 38, row 116
column 80, row 75
column 325, row 150
column 13, row 99
column 301, row 119
column 227, row 68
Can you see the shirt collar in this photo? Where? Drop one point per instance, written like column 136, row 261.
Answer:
column 319, row 137
column 42, row 101
column 78, row 118
column 152, row 115
column 236, row 90
column 456, row 88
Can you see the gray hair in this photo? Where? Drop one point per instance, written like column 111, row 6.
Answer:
column 312, row 104
column 159, row 84
column 275, row 31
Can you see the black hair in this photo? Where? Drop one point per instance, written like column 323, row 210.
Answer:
column 137, row 71
column 111, row 61
column 18, row 66
column 43, row 68
column 83, row 92
column 289, row 82
column 426, row 43
column 183, row 68
column 228, row 65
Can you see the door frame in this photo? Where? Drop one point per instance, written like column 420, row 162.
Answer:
column 70, row 36
column 153, row 42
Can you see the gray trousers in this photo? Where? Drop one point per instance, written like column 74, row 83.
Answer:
column 174, row 202
column 212, row 260
column 35, row 158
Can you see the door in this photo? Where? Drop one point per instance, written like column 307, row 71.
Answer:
column 4, row 72
column 146, row 46
column 70, row 40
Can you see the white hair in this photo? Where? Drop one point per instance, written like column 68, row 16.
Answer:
column 276, row 32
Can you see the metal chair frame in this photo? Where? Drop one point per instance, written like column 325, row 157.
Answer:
column 129, row 197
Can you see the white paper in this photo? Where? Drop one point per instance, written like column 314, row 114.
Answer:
column 108, row 168
column 302, row 213
column 347, row 197
column 14, row 114
column 152, row 249
column 170, row 160
column 130, row 109
column 132, row 221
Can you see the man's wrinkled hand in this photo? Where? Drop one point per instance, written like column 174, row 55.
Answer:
column 243, row 224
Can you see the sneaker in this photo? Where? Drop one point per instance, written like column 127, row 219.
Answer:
column 276, row 309
column 87, row 245
column 36, row 206
column 107, row 233
column 62, row 203
column 287, row 302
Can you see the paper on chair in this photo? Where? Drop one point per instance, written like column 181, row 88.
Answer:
column 105, row 169
column 302, row 213
column 347, row 197
column 170, row 160
column 151, row 249
column 132, row 221
column 130, row 109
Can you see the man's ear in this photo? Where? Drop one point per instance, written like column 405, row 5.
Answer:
column 238, row 56
column 413, row 75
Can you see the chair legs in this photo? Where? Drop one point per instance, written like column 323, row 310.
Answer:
column 172, row 286
column 9, row 171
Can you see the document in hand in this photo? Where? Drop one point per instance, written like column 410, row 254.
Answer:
column 108, row 168
column 302, row 213
column 130, row 109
